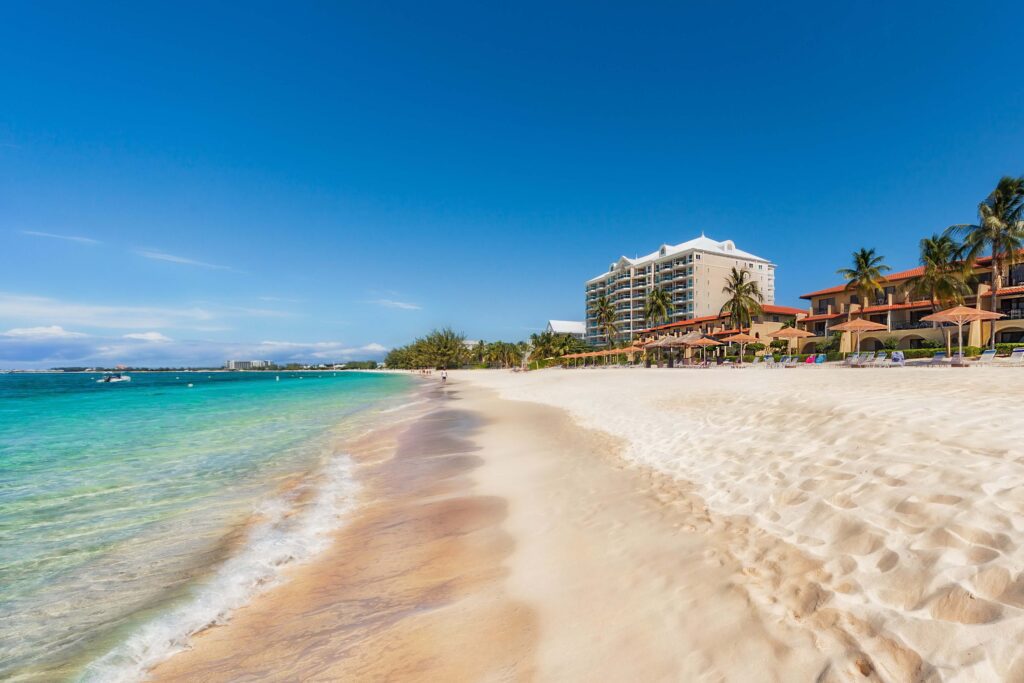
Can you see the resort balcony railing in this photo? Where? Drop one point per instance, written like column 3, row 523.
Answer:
column 910, row 325
column 1013, row 313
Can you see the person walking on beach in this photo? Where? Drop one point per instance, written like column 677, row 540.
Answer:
column 444, row 376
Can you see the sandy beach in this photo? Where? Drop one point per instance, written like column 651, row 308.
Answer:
column 719, row 525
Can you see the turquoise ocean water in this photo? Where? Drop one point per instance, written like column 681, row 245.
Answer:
column 134, row 514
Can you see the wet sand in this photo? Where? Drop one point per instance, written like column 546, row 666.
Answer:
column 412, row 588
column 498, row 540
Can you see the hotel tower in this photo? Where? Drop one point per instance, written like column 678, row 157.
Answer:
column 693, row 273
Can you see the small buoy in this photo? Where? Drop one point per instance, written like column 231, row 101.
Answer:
column 277, row 378
column 190, row 385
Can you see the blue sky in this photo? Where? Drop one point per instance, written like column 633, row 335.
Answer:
column 325, row 180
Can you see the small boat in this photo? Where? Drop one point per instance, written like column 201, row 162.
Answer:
column 114, row 377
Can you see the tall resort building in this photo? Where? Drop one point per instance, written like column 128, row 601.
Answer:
column 693, row 273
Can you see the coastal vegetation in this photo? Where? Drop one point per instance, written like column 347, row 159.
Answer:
column 658, row 307
column 866, row 275
column 946, row 274
column 603, row 311
column 745, row 298
column 445, row 348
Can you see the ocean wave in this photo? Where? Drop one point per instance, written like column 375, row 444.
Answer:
column 287, row 533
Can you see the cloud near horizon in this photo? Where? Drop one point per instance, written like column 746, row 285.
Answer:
column 148, row 336
column 66, row 238
column 46, row 347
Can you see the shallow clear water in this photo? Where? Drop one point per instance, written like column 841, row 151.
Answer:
column 132, row 512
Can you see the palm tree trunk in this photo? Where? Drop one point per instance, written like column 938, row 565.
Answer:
column 997, row 284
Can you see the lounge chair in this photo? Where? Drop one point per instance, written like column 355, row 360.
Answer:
column 986, row 358
column 820, row 359
column 793, row 362
column 851, row 360
column 938, row 359
column 958, row 361
column 810, row 359
column 1016, row 357
column 881, row 360
column 781, row 362
column 898, row 360
column 865, row 360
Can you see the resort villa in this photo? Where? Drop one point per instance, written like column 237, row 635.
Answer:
column 771, row 319
column 692, row 273
column 572, row 328
column 895, row 308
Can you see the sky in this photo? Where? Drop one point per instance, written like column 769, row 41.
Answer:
column 181, row 183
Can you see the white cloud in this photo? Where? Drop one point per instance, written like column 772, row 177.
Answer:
column 49, row 332
column 46, row 310
column 282, row 299
column 391, row 303
column 158, row 255
column 149, row 337
column 68, row 238
column 54, row 347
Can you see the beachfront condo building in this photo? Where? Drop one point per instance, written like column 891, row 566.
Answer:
column 693, row 273
column 901, row 312
column 248, row 364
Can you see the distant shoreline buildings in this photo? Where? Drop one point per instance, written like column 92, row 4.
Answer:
column 693, row 273
column 248, row 364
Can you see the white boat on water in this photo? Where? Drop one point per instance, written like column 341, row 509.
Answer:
column 114, row 377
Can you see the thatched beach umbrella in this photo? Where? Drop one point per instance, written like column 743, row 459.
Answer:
column 960, row 315
column 742, row 339
column 858, row 326
column 791, row 333
column 704, row 343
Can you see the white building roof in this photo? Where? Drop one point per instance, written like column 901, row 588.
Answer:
column 567, row 327
column 702, row 243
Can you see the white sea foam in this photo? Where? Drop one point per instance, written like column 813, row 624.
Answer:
column 286, row 534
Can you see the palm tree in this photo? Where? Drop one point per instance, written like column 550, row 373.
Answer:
column 865, row 277
column 604, row 311
column 658, row 306
column 946, row 273
column 1000, row 229
column 745, row 298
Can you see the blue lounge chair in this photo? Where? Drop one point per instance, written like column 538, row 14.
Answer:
column 898, row 360
column 938, row 359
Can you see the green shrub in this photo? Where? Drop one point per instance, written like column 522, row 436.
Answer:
column 891, row 343
column 1007, row 349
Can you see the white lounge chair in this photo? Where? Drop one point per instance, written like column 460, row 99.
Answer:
column 851, row 360
column 865, row 360
column 898, row 360
column 986, row 358
column 881, row 360
column 1016, row 357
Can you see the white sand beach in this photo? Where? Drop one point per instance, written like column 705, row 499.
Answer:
column 699, row 525
column 879, row 511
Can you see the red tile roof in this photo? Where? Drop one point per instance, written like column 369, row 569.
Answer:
column 782, row 310
column 924, row 303
column 896, row 277
column 771, row 309
column 820, row 316
column 1018, row 289
column 891, row 277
